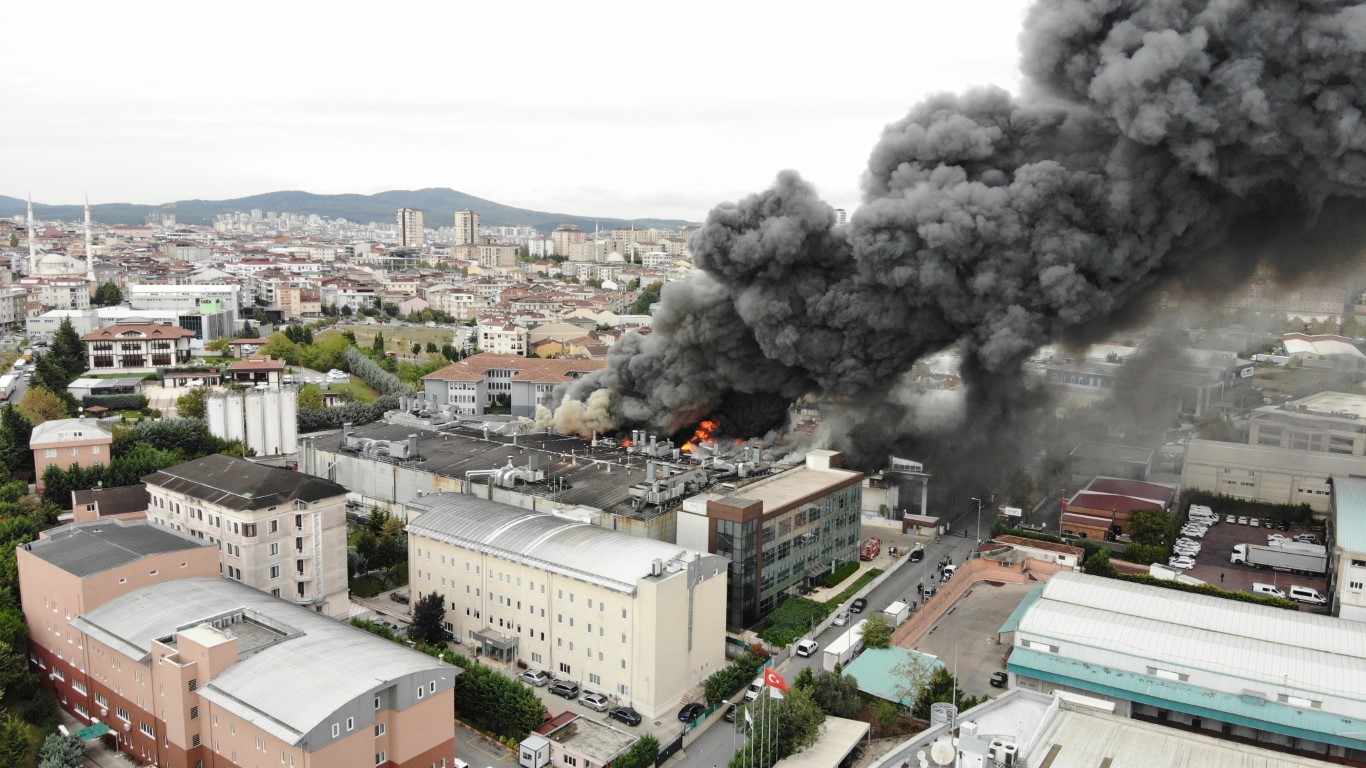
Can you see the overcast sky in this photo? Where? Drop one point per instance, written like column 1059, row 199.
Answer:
column 612, row 109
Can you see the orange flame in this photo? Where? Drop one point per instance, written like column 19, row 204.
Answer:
column 626, row 443
column 688, row 448
column 704, row 431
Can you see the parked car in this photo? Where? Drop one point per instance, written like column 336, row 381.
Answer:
column 1259, row 588
column 916, row 555
column 841, row 619
column 999, row 679
column 1255, row 522
column 1187, row 551
column 534, row 677
column 336, row 374
column 1231, row 519
column 807, row 647
column 1242, row 519
column 624, row 715
column 1184, row 562
column 1282, row 526
column 594, row 701
column 565, row 688
column 1274, row 537
column 691, row 712
column 1307, row 538
column 730, row 713
column 858, row 605
column 399, row 597
column 1307, row 595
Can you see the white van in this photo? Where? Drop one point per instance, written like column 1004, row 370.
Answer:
column 1307, row 595
column 755, row 688
column 1266, row 589
column 807, row 647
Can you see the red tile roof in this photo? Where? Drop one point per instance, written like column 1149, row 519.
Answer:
column 147, row 330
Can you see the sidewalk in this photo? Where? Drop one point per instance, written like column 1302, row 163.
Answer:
column 904, row 542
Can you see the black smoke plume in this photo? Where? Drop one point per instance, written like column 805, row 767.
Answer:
column 1157, row 145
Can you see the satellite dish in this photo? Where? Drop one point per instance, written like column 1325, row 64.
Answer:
column 941, row 753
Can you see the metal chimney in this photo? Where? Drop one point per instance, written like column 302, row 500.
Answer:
column 346, row 429
column 412, row 446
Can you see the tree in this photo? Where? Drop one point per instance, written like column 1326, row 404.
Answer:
column 1150, row 526
column 429, row 618
column 346, row 310
column 60, row 751
column 794, row 722
column 311, row 398
column 378, row 344
column 15, row 432
column 876, row 632
column 1021, row 490
column 646, row 298
column 1098, row 564
column 941, row 687
column 39, row 405
column 192, row 403
column 492, row 701
column 108, row 295
column 642, row 754
column 390, row 309
column 417, row 348
column 13, row 740
column 835, row 694
column 911, row 674
column 431, row 348
column 248, row 332
column 68, row 351
column 218, row 345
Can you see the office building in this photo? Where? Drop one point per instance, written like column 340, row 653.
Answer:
column 281, row 532
column 135, row 633
column 410, row 234
column 780, row 533
column 137, row 347
column 640, row 621
column 1330, row 422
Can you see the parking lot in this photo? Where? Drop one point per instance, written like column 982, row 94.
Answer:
column 1212, row 565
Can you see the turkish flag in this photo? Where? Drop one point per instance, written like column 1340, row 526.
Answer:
column 775, row 680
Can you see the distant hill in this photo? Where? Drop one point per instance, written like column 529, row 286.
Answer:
column 439, row 206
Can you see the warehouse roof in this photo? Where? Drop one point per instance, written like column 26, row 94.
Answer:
column 1349, row 513
column 287, row 679
column 1258, row 644
column 239, row 484
column 85, row 549
column 576, row 549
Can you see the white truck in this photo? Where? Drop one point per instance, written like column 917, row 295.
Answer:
column 6, row 386
column 896, row 613
column 1303, row 558
column 844, row 648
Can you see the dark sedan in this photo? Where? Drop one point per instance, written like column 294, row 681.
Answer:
column 625, row 715
column 691, row 712
column 858, row 605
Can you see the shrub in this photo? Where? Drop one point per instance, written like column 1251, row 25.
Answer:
column 116, row 402
column 356, row 413
column 1213, row 591
column 370, row 371
column 728, row 680
column 793, row 619
column 844, row 572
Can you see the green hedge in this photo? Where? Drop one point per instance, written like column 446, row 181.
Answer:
column 844, row 572
column 731, row 678
column 116, row 402
column 1212, row 591
column 366, row 586
column 1229, row 505
column 852, row 589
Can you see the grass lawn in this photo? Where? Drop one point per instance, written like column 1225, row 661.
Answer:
column 362, row 392
column 400, row 338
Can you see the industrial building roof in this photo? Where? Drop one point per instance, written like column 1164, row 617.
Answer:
column 85, row 549
column 576, row 549
column 295, row 668
column 1349, row 513
column 1296, row 461
column 1321, row 344
column 836, row 739
column 1328, row 405
column 1257, row 644
column 1139, row 489
column 875, row 671
column 598, row 741
column 1080, row 737
column 239, row 484
column 577, row 471
column 1110, row 502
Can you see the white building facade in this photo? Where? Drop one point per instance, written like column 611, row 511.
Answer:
column 637, row 620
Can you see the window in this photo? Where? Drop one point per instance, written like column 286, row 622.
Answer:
column 350, row 723
column 595, row 679
column 75, row 451
column 336, row 730
column 275, row 571
column 380, row 757
column 123, row 714
column 379, row 729
column 274, row 548
column 623, row 689
column 273, row 526
column 564, row 668
column 50, row 453
column 146, row 729
column 1354, row 585
column 570, row 760
column 94, row 450
column 421, row 691
column 376, row 703
column 194, row 742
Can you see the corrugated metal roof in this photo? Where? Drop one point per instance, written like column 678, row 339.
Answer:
column 287, row 687
column 580, row 550
column 1234, row 639
column 1349, row 513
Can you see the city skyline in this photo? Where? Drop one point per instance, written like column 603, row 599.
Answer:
column 615, row 115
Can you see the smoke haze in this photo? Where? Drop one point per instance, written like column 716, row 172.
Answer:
column 1158, row 145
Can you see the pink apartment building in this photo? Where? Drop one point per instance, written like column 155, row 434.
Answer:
column 65, row 442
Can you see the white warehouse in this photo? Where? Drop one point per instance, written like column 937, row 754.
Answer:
column 640, row 621
column 265, row 420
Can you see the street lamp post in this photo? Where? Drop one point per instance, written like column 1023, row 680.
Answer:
column 979, row 519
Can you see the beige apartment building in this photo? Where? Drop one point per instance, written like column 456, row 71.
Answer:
column 466, row 227
column 278, row 531
column 132, row 628
column 136, row 346
column 66, row 442
column 638, row 620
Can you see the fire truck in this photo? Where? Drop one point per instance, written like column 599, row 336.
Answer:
column 869, row 549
